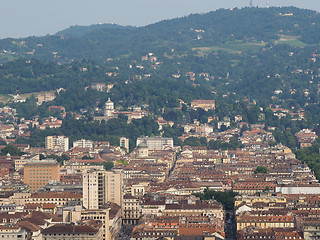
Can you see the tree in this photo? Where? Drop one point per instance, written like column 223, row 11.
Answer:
column 12, row 150
column 108, row 165
column 192, row 142
column 225, row 198
column 253, row 114
column 203, row 141
column 311, row 157
column 261, row 169
column 243, row 129
column 266, row 189
column 2, row 142
column 60, row 159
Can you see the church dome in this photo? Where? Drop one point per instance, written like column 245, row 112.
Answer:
column 142, row 145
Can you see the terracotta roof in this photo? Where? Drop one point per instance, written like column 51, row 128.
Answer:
column 199, row 231
column 48, row 205
column 31, row 205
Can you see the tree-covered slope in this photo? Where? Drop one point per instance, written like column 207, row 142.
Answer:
column 264, row 55
column 197, row 30
column 79, row 31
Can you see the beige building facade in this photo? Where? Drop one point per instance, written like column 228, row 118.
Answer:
column 204, row 104
column 37, row 174
column 78, row 214
column 100, row 187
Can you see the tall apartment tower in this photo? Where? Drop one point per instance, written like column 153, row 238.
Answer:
column 60, row 143
column 124, row 142
column 100, row 187
column 38, row 173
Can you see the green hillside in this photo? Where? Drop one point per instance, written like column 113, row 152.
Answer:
column 262, row 55
column 214, row 29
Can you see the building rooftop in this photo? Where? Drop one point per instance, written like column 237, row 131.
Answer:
column 48, row 161
column 74, row 229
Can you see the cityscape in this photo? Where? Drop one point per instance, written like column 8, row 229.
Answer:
column 197, row 128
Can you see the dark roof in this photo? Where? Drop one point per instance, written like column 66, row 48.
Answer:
column 188, row 238
column 5, row 194
column 114, row 209
column 7, row 216
column 56, row 194
column 129, row 196
column 30, row 227
column 192, row 206
column 38, row 218
column 113, row 213
column 155, row 203
column 61, row 228
column 106, row 150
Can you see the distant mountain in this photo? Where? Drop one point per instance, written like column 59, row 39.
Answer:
column 79, row 31
column 100, row 42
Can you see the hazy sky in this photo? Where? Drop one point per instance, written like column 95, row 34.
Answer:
column 21, row 18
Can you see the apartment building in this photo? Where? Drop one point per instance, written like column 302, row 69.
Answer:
column 20, row 162
column 156, row 143
column 60, row 198
column 13, row 232
column 100, row 187
column 124, row 142
column 83, row 143
column 72, row 231
column 77, row 214
column 59, row 143
column 131, row 209
column 38, row 173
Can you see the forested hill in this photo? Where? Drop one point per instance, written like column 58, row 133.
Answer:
column 79, row 31
column 100, row 42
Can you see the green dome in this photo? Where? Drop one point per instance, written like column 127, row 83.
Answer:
column 142, row 145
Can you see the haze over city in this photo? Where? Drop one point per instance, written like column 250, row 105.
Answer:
column 160, row 120
column 40, row 17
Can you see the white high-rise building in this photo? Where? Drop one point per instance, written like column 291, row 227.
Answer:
column 156, row 143
column 100, row 187
column 83, row 143
column 60, row 143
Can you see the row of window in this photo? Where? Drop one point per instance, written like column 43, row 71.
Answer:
column 11, row 236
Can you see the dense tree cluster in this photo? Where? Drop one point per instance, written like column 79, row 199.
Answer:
column 12, row 150
column 226, row 198
column 311, row 156
column 110, row 131
column 261, row 169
